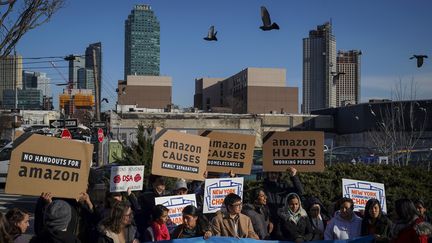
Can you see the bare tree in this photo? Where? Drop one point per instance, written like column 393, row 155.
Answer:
column 18, row 17
column 399, row 124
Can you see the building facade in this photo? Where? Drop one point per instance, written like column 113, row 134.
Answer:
column 37, row 80
column 142, row 42
column 89, row 65
column 28, row 99
column 251, row 91
column 86, row 79
column 10, row 74
column 74, row 65
column 348, row 84
column 319, row 66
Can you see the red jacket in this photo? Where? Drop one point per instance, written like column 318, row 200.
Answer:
column 416, row 233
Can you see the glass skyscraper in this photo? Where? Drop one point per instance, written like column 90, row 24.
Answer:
column 142, row 42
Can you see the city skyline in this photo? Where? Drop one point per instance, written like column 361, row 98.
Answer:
column 386, row 43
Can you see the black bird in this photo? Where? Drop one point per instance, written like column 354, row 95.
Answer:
column 211, row 36
column 267, row 24
column 419, row 59
column 336, row 76
column 104, row 99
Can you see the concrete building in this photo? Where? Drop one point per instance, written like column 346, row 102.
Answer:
column 10, row 74
column 252, row 90
column 348, row 84
column 142, row 42
column 89, row 65
column 319, row 66
column 145, row 91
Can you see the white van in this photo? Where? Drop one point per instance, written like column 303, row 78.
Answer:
column 5, row 154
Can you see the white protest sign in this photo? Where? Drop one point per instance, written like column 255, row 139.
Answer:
column 361, row 191
column 176, row 204
column 124, row 177
column 216, row 189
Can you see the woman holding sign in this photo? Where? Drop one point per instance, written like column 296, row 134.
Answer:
column 375, row 222
column 194, row 225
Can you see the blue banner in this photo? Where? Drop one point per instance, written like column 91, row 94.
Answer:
column 217, row 239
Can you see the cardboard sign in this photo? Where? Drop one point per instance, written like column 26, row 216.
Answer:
column 47, row 164
column 361, row 191
column 176, row 204
column 124, row 177
column 230, row 151
column 216, row 189
column 180, row 155
column 301, row 150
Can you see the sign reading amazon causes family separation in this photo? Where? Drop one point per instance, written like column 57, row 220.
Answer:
column 230, row 151
column 301, row 150
column 180, row 155
column 361, row 191
column 216, row 189
column 176, row 204
column 124, row 177
column 46, row 164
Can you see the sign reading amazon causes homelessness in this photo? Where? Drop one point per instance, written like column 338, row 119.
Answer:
column 230, row 151
column 124, row 177
column 361, row 191
column 176, row 204
column 301, row 150
column 46, row 164
column 216, row 189
column 180, row 155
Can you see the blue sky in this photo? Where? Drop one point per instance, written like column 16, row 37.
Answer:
column 388, row 32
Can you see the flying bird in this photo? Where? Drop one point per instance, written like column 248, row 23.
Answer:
column 419, row 59
column 267, row 24
column 104, row 99
column 211, row 36
column 336, row 76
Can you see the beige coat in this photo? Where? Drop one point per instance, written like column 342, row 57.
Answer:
column 223, row 225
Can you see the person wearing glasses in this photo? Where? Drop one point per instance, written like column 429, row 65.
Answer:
column 232, row 223
column 118, row 226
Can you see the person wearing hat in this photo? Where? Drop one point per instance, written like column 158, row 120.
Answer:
column 181, row 187
column 56, row 219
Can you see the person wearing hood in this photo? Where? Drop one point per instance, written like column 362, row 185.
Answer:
column 295, row 225
column 318, row 218
column 345, row 224
column 56, row 219
column 259, row 214
column 409, row 227
column 375, row 222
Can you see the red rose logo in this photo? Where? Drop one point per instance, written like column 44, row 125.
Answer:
column 117, row 179
column 137, row 177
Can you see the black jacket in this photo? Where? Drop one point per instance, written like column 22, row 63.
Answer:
column 260, row 219
column 47, row 236
column 301, row 230
column 382, row 227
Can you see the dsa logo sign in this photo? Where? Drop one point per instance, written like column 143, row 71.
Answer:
column 124, row 177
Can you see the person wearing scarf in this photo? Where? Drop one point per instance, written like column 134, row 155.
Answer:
column 158, row 230
column 318, row 218
column 409, row 227
column 295, row 225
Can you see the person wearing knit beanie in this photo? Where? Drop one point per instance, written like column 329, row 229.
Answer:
column 57, row 215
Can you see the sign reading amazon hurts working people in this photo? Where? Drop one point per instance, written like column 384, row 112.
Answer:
column 301, row 150
column 176, row 204
column 215, row 191
column 180, row 155
column 46, row 164
column 230, row 151
column 361, row 191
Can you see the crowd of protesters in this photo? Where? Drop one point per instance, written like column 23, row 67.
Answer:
column 277, row 211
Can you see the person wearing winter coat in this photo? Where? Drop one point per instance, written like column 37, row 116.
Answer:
column 118, row 226
column 18, row 222
column 295, row 222
column 194, row 225
column 375, row 222
column 345, row 224
column 409, row 227
column 56, row 218
column 318, row 218
column 232, row 223
column 259, row 214
column 158, row 229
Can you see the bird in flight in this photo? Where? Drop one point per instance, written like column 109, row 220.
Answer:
column 104, row 99
column 420, row 59
column 267, row 24
column 211, row 36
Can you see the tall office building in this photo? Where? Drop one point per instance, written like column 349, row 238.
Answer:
column 86, row 79
column 89, row 65
column 319, row 66
column 10, row 74
column 142, row 42
column 37, row 80
column 348, row 84
column 75, row 64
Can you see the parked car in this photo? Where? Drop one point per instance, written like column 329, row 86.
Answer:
column 351, row 154
column 5, row 154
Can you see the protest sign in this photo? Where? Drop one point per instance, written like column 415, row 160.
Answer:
column 230, row 151
column 301, row 150
column 124, row 177
column 180, row 155
column 216, row 189
column 47, row 164
column 361, row 191
column 176, row 204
